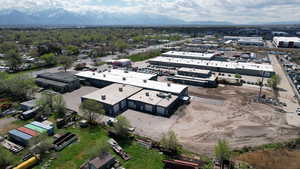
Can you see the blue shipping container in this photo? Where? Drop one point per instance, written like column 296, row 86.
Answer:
column 19, row 136
column 50, row 129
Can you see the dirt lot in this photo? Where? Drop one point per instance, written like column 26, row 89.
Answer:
column 222, row 113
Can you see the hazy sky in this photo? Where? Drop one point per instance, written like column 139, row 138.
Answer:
column 237, row 11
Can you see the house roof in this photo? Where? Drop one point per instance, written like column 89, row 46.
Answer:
column 98, row 162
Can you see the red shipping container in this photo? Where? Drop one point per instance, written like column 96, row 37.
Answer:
column 28, row 131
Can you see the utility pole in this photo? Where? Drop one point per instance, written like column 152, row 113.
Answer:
column 261, row 85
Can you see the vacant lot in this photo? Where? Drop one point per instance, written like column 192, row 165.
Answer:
column 222, row 113
column 276, row 159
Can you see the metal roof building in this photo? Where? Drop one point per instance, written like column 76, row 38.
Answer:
column 113, row 97
column 286, row 42
column 189, row 55
column 251, row 69
column 106, row 78
column 60, row 81
column 153, row 102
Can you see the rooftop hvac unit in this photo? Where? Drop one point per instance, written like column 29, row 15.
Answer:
column 147, row 94
column 169, row 84
column 121, row 89
column 104, row 75
column 145, row 81
column 103, row 97
column 124, row 78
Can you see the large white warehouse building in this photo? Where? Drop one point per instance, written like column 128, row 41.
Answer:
column 251, row 69
column 286, row 42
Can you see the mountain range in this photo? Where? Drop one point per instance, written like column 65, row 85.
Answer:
column 63, row 17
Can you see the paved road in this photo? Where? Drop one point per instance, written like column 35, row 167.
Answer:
column 287, row 93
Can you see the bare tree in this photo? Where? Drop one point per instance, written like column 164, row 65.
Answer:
column 91, row 109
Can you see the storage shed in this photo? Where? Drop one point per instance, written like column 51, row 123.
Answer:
column 102, row 162
column 49, row 129
column 35, row 128
column 19, row 137
column 28, row 131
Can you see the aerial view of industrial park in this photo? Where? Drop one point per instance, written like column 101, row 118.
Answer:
column 134, row 84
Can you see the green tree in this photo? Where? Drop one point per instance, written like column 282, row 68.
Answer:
column 170, row 142
column 52, row 103
column 40, row 145
column 120, row 45
column 20, row 86
column 14, row 60
column 6, row 158
column 72, row 50
column 8, row 46
column 274, row 81
column 49, row 59
column 45, row 103
column 238, row 76
column 66, row 62
column 222, row 152
column 90, row 109
column 121, row 127
column 59, row 106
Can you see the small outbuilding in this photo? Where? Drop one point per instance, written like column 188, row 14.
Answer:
column 105, row 161
column 28, row 105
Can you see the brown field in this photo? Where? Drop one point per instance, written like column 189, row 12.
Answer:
column 268, row 159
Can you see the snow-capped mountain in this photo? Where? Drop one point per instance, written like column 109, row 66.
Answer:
column 62, row 17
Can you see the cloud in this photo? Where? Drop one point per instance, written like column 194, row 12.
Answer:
column 238, row 11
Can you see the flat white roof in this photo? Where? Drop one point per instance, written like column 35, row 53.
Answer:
column 208, row 63
column 152, row 97
column 147, row 84
column 257, row 38
column 130, row 74
column 194, row 70
column 113, row 93
column 189, row 54
column 287, row 39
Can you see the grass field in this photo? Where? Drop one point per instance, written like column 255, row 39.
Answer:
column 92, row 138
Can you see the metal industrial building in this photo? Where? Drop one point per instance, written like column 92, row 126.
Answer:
column 195, row 77
column 128, row 78
column 251, row 69
column 60, row 82
column 241, row 40
column 286, row 42
column 113, row 97
column 189, row 55
column 154, row 102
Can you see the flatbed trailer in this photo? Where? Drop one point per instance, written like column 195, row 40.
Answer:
column 11, row 146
